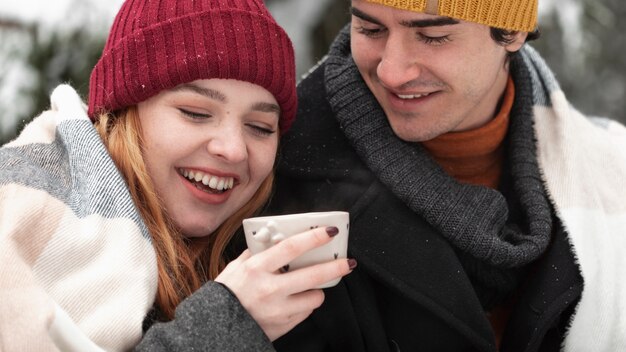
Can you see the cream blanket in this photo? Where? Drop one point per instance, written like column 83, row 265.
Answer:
column 584, row 163
column 77, row 269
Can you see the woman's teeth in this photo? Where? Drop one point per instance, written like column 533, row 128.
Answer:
column 213, row 182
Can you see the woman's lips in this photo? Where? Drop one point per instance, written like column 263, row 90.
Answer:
column 205, row 193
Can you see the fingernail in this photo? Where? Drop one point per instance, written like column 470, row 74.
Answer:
column 351, row 263
column 332, row 231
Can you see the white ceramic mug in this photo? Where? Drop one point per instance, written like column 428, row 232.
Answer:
column 265, row 231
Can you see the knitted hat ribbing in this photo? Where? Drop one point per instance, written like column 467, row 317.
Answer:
column 515, row 15
column 158, row 44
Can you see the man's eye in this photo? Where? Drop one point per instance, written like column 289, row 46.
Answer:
column 369, row 32
column 433, row 40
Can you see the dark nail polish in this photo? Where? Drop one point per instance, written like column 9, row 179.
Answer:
column 352, row 263
column 332, row 231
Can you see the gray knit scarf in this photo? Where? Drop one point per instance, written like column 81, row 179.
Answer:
column 492, row 244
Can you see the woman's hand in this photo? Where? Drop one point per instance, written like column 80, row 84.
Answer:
column 279, row 301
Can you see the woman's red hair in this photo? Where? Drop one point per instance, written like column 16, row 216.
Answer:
column 183, row 264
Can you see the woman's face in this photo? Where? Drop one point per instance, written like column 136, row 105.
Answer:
column 208, row 145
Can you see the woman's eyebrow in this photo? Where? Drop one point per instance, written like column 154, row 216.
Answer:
column 266, row 107
column 207, row 92
column 216, row 95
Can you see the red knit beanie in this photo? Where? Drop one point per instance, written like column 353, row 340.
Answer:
column 158, row 44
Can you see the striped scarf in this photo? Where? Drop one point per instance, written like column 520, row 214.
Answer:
column 77, row 268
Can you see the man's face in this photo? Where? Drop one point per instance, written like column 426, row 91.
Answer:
column 430, row 74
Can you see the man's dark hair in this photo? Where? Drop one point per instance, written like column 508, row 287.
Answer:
column 505, row 37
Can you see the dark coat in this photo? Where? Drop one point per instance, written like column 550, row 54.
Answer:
column 409, row 291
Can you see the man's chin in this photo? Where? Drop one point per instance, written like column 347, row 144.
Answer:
column 413, row 134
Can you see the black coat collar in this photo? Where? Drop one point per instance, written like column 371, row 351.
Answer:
column 318, row 170
column 391, row 244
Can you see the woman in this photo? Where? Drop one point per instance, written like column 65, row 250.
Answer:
column 122, row 221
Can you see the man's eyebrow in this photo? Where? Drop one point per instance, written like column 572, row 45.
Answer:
column 362, row 15
column 430, row 22
column 207, row 92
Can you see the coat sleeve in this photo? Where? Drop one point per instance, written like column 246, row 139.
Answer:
column 212, row 319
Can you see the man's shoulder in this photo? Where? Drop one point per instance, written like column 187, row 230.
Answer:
column 315, row 134
column 313, row 101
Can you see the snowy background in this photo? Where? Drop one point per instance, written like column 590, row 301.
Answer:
column 45, row 42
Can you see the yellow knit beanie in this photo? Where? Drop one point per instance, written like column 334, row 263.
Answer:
column 515, row 15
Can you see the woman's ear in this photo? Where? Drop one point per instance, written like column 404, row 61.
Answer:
column 518, row 39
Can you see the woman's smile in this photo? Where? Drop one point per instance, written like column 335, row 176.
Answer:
column 209, row 146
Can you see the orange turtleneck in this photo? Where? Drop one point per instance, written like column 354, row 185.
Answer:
column 476, row 157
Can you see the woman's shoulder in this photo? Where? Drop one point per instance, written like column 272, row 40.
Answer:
column 212, row 319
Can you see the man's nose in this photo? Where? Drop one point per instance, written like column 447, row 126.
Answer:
column 399, row 64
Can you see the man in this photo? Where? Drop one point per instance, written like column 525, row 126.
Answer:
column 486, row 213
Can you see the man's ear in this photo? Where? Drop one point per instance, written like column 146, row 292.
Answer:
column 518, row 40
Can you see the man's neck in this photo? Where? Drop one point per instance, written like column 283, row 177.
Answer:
column 475, row 156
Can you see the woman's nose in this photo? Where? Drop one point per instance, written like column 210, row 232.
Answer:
column 228, row 144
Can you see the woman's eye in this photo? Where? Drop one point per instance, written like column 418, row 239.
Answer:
column 194, row 115
column 261, row 130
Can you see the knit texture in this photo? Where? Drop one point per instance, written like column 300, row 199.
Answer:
column 515, row 15
column 475, row 156
column 77, row 267
column 78, row 270
column 211, row 319
column 158, row 44
column 580, row 162
column 473, row 218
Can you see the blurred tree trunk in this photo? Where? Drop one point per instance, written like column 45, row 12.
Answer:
column 336, row 16
column 593, row 72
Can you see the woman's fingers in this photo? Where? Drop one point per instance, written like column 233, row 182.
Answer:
column 302, row 303
column 314, row 276
column 279, row 301
column 288, row 249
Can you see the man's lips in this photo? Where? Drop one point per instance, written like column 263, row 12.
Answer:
column 408, row 101
column 411, row 96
